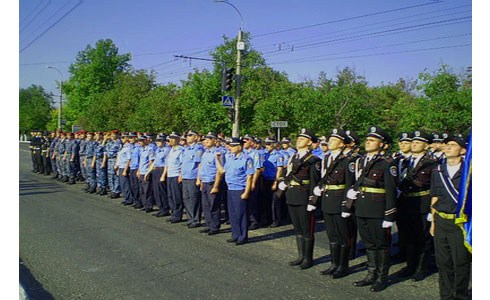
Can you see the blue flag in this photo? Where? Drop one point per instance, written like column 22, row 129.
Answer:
column 463, row 215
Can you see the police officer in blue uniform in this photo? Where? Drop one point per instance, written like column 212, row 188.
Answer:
column 53, row 149
column 63, row 161
column 209, row 181
column 303, row 173
column 253, row 207
column 156, row 170
column 89, row 163
column 112, row 148
column 190, row 191
column 83, row 154
column 74, row 157
column 99, row 162
column 452, row 257
column 133, row 170
column 273, row 169
column 173, row 177
column 122, row 168
column 239, row 170
column 337, row 173
column 374, row 193
column 146, row 159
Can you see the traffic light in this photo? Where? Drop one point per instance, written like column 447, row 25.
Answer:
column 227, row 79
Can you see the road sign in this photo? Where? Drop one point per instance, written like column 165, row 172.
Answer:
column 279, row 124
column 228, row 101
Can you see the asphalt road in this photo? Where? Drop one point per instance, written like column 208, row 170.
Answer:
column 75, row 245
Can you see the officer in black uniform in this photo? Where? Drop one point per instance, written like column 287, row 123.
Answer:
column 335, row 178
column 413, row 207
column 452, row 257
column 45, row 157
column 352, row 150
column 374, row 193
column 303, row 173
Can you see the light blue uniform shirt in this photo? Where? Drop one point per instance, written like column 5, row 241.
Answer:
column 208, row 169
column 174, row 161
column 124, row 155
column 190, row 161
column 255, row 156
column 237, row 168
column 273, row 160
column 146, row 156
column 160, row 156
column 135, row 156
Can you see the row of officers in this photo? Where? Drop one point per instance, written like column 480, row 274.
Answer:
column 366, row 194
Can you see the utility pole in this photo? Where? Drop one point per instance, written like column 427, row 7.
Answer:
column 60, row 126
column 240, row 46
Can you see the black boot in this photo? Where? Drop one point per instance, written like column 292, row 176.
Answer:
column 343, row 269
column 411, row 257
column 422, row 267
column 372, row 270
column 308, row 255
column 92, row 190
column 300, row 243
column 334, row 257
column 55, row 175
column 103, row 191
column 71, row 181
column 384, row 267
column 65, row 179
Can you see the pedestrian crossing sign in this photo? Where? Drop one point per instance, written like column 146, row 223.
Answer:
column 228, row 101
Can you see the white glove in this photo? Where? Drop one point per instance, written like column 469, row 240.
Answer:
column 310, row 207
column 351, row 194
column 317, row 191
column 282, row 186
column 429, row 217
column 345, row 215
column 387, row 224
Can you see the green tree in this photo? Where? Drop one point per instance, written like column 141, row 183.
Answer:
column 34, row 108
column 92, row 74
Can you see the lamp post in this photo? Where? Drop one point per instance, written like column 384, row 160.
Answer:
column 60, row 126
column 240, row 47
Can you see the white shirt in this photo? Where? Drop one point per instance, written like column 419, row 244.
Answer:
column 453, row 169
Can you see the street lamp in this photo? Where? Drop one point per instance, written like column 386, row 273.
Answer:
column 60, row 127
column 240, row 47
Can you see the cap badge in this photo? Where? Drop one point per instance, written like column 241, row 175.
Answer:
column 303, row 130
column 373, row 129
column 417, row 133
column 404, row 135
column 334, row 131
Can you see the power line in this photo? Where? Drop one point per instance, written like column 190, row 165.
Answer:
column 374, row 54
column 377, row 47
column 346, row 19
column 38, row 13
column 52, row 25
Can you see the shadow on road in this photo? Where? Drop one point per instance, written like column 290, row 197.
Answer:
column 32, row 287
column 30, row 188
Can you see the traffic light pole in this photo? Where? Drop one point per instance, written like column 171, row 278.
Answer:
column 236, row 124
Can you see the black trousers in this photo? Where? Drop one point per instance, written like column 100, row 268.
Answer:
column 303, row 221
column 266, row 202
column 414, row 234
column 160, row 190
column 339, row 230
column 146, row 192
column 135, row 187
column 452, row 258
column 374, row 236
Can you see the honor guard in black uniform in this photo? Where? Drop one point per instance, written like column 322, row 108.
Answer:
column 437, row 145
column 413, row 207
column 303, row 173
column 374, row 193
column 452, row 257
column 336, row 176
column 352, row 150
column 46, row 160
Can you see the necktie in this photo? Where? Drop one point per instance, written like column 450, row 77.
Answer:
column 412, row 162
column 366, row 161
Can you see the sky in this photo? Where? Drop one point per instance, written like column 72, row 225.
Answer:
column 381, row 40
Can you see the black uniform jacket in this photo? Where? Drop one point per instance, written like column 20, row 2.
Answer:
column 445, row 202
column 335, row 175
column 302, row 176
column 377, row 185
column 416, row 180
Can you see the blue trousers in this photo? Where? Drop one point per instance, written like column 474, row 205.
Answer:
column 253, row 207
column 54, row 165
column 125, row 185
column 60, row 165
column 160, row 190
column 237, row 209
column 146, row 193
column 101, row 174
column 83, row 170
column 91, row 177
column 192, row 200
column 211, row 206
column 175, row 198
column 135, row 187
column 112, row 177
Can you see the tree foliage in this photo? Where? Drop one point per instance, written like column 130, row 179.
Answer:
column 34, row 108
column 105, row 92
